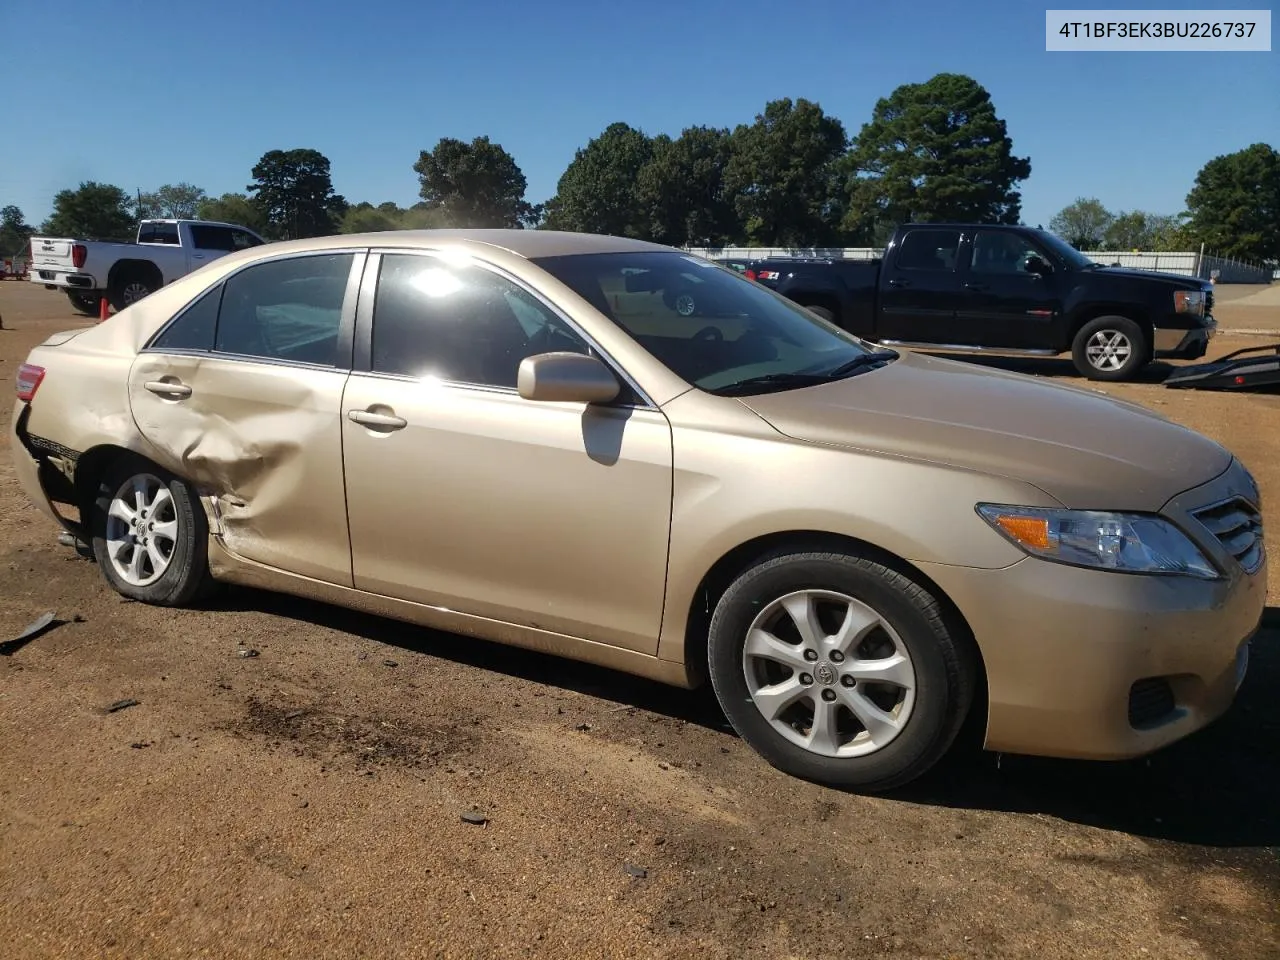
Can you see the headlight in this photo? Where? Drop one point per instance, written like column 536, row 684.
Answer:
column 1124, row 542
column 1189, row 301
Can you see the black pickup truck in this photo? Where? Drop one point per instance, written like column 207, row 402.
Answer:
column 1002, row 290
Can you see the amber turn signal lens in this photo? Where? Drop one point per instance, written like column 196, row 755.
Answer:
column 1032, row 532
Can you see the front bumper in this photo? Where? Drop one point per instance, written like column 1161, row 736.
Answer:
column 1183, row 344
column 1097, row 665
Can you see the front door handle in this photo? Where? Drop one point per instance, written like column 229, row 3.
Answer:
column 383, row 421
column 168, row 388
column 899, row 282
column 975, row 286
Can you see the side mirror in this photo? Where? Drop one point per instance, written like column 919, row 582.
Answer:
column 1038, row 266
column 566, row 378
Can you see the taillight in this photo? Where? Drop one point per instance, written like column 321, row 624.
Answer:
column 29, row 377
column 78, row 252
column 749, row 274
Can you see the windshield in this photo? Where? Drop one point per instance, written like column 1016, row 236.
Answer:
column 711, row 326
column 1065, row 250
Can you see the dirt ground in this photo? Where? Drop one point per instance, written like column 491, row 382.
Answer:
column 308, row 802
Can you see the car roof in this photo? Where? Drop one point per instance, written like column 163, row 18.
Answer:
column 524, row 243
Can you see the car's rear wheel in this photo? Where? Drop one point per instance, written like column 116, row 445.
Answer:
column 150, row 535
column 1110, row 348
column 86, row 303
column 840, row 670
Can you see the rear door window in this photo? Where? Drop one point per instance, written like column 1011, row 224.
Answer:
column 934, row 250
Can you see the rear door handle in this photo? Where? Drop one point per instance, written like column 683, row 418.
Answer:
column 975, row 286
column 168, row 388
column 384, row 421
column 899, row 282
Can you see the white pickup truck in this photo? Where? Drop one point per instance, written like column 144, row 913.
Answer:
column 88, row 270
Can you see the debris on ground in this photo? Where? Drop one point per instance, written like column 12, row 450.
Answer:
column 28, row 633
column 475, row 818
column 249, row 653
column 123, row 705
column 390, row 663
column 638, row 872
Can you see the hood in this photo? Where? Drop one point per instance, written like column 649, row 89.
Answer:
column 1083, row 448
column 1174, row 280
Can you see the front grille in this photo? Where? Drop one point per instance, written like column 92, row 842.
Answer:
column 1238, row 526
column 1150, row 702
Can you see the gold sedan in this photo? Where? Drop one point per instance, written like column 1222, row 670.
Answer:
column 613, row 451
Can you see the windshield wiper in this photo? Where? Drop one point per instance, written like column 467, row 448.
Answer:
column 779, row 381
column 861, row 361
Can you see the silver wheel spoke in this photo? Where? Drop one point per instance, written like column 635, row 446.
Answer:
column 135, row 562
column 881, row 726
column 162, row 500
column 121, row 511
column 762, row 644
column 895, row 670
column 168, row 530
column 158, row 560
column 775, row 698
column 824, row 736
column 804, row 614
column 859, row 620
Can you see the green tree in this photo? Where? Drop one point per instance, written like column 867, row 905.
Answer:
column 295, row 190
column 1235, row 204
column 234, row 208
column 681, row 189
column 597, row 192
column 14, row 231
column 93, row 211
column 476, row 184
column 782, row 174
column 1082, row 223
column 934, row 151
column 366, row 218
column 178, row 201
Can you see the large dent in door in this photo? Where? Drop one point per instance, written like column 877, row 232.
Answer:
column 263, row 452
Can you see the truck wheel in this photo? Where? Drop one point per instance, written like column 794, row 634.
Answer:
column 1110, row 348
column 839, row 670
column 129, row 289
column 86, row 303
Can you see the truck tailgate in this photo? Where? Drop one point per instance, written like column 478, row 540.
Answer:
column 49, row 253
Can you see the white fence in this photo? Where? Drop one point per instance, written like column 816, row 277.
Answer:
column 1187, row 264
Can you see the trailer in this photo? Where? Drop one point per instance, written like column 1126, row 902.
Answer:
column 1246, row 369
column 15, row 268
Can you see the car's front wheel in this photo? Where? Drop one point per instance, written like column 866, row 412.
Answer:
column 150, row 535
column 840, row 670
column 1110, row 349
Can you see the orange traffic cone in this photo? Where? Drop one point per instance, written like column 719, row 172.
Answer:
column 104, row 309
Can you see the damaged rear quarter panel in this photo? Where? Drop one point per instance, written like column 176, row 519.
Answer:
column 262, row 442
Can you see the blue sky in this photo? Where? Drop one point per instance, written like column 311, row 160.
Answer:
column 159, row 91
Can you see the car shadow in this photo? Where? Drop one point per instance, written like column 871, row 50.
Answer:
column 1219, row 787
column 622, row 689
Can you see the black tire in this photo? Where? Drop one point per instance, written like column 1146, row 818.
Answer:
column 1099, row 368
column 86, row 303
column 822, row 312
column 186, row 577
column 129, row 288
column 944, row 666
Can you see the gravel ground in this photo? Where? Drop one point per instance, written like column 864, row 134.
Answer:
column 310, row 801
